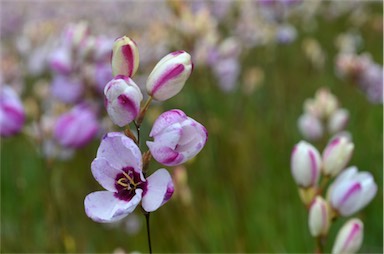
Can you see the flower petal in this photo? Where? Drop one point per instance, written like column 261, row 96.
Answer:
column 120, row 151
column 104, row 173
column 103, row 206
column 165, row 119
column 165, row 155
column 159, row 190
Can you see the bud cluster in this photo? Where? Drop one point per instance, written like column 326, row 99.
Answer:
column 322, row 113
column 349, row 192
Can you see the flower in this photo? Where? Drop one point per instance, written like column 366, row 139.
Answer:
column 12, row 115
column 169, row 75
column 319, row 217
column 77, row 127
column 336, row 155
column 305, row 164
column 338, row 120
column 118, row 168
column 60, row 60
column 67, row 89
column 351, row 191
column 350, row 237
column 310, row 126
column 122, row 100
column 177, row 138
column 125, row 57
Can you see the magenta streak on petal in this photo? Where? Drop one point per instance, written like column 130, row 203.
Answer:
column 355, row 229
column 168, row 194
column 128, row 56
column 353, row 189
column 128, row 104
column 331, row 146
column 313, row 167
column 170, row 74
column 176, row 53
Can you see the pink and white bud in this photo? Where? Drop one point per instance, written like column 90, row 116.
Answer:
column 319, row 217
column 122, row 100
column 310, row 126
column 337, row 155
column 75, row 34
column 326, row 102
column 338, row 120
column 77, row 127
column 351, row 191
column 125, row 57
column 349, row 238
column 60, row 60
column 169, row 75
column 177, row 138
column 305, row 164
column 12, row 114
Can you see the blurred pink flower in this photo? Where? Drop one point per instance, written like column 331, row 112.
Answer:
column 12, row 115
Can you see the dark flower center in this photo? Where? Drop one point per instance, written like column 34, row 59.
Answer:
column 127, row 182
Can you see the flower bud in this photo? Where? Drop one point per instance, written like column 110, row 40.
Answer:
column 310, row 126
column 12, row 115
column 338, row 120
column 326, row 102
column 125, row 57
column 60, row 60
column 77, row 127
column 67, row 89
column 305, row 164
column 351, row 191
column 169, row 75
column 319, row 217
column 177, row 138
column 122, row 100
column 336, row 155
column 350, row 237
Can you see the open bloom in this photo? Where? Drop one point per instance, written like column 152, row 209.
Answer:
column 305, row 164
column 122, row 100
column 118, row 168
column 351, row 191
column 336, row 155
column 125, row 57
column 350, row 237
column 12, row 114
column 77, row 127
column 169, row 75
column 319, row 218
column 177, row 138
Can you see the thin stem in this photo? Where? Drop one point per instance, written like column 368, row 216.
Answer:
column 148, row 232
column 320, row 244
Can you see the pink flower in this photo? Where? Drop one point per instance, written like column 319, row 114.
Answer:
column 122, row 100
column 177, row 138
column 125, row 57
column 118, row 168
column 77, row 127
column 305, row 164
column 352, row 191
column 350, row 237
column 67, row 89
column 310, row 126
column 12, row 114
column 169, row 75
column 60, row 60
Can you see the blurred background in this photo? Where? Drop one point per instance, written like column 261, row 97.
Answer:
column 255, row 64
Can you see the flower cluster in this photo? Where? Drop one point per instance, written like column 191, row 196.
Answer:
column 120, row 167
column 322, row 113
column 364, row 72
column 350, row 191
